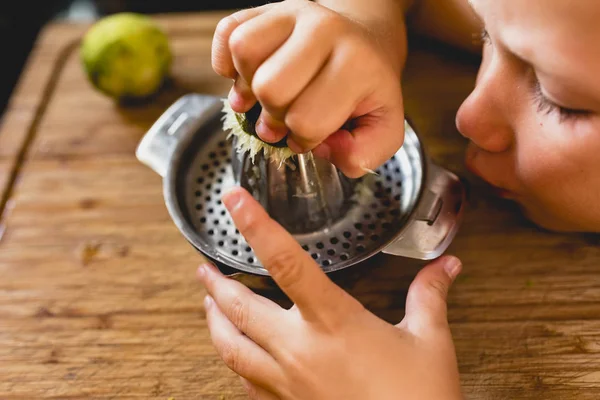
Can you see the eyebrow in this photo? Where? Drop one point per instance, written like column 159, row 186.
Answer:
column 538, row 67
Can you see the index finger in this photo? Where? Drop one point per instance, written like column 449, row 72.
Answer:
column 222, row 61
column 290, row 266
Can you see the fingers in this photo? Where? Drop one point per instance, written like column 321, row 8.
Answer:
column 377, row 115
column 312, row 70
column 371, row 142
column 238, row 49
column 308, row 124
column 251, row 314
column 240, row 354
column 250, row 45
column 377, row 130
column 254, row 41
column 270, row 129
column 222, row 61
column 289, row 265
column 241, row 98
column 287, row 72
column 279, row 56
column 426, row 307
column 283, row 76
column 255, row 392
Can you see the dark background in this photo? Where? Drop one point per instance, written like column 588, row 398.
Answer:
column 21, row 20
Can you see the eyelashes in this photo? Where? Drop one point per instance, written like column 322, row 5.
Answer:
column 481, row 38
column 546, row 106
column 484, row 36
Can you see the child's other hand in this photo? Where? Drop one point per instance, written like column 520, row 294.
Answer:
column 313, row 70
column 328, row 346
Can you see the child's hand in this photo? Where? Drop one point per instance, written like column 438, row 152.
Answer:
column 313, row 70
column 327, row 346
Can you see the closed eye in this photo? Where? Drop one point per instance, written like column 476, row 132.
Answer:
column 484, row 36
column 547, row 106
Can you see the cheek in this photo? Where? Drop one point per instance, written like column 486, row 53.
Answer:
column 539, row 173
column 556, row 165
column 553, row 154
column 542, row 156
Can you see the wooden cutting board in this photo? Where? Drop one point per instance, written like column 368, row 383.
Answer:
column 97, row 292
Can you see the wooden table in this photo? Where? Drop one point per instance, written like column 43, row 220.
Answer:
column 98, row 298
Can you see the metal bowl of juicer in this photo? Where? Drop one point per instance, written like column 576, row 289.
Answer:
column 409, row 208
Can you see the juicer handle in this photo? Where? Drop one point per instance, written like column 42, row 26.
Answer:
column 435, row 222
column 178, row 121
column 155, row 150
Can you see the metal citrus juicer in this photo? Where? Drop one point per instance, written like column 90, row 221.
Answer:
column 409, row 208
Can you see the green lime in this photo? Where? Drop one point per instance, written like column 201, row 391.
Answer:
column 126, row 55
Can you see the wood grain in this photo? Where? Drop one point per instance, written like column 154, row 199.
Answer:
column 98, row 298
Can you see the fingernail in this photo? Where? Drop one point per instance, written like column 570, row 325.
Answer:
column 232, row 199
column 201, row 272
column 369, row 171
column 205, row 271
column 208, row 302
column 235, row 100
column 295, row 147
column 452, row 267
column 265, row 132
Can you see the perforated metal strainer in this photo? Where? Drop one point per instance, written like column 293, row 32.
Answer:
column 411, row 208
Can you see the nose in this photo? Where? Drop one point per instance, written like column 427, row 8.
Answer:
column 484, row 117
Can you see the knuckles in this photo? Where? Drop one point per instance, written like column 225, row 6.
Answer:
column 325, row 21
column 238, row 313
column 248, row 224
column 319, row 26
column 303, row 127
column 224, row 28
column 437, row 288
column 252, row 392
column 431, row 290
column 219, row 57
column 265, row 86
column 285, row 266
column 230, row 354
column 242, row 46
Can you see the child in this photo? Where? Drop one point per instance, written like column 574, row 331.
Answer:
column 534, row 132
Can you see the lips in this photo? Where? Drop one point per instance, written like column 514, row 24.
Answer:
column 503, row 193
column 498, row 191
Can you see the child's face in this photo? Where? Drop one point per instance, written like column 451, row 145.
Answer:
column 534, row 116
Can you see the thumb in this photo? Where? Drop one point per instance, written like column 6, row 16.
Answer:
column 426, row 307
